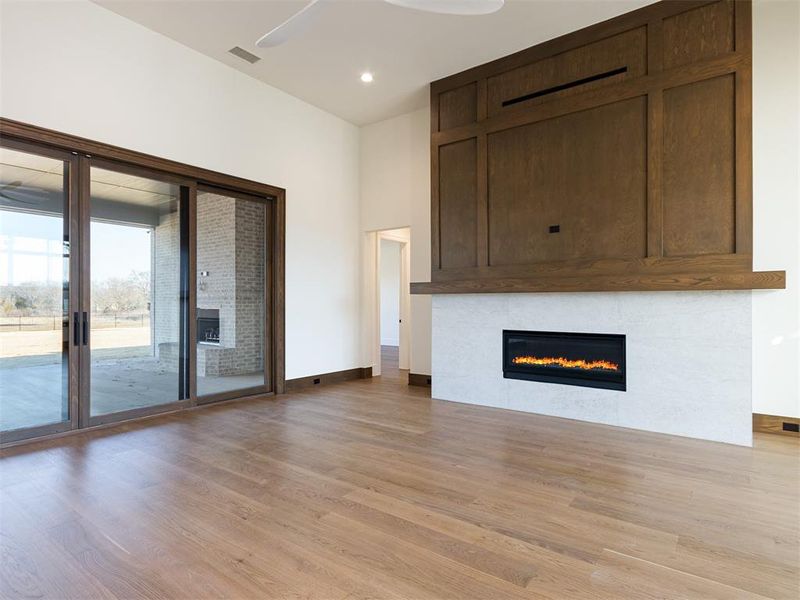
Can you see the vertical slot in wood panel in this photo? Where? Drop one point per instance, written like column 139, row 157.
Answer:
column 698, row 170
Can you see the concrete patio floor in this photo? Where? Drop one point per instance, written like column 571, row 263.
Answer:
column 33, row 393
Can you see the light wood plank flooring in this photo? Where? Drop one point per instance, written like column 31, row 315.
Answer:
column 370, row 489
column 390, row 364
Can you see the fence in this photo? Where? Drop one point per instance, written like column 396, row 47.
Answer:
column 53, row 322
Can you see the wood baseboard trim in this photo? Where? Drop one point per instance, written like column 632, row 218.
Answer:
column 292, row 385
column 418, row 379
column 776, row 424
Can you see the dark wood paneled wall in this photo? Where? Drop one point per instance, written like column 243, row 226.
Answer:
column 458, row 210
column 567, row 173
column 624, row 147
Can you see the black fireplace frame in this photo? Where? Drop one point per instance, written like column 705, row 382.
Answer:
column 208, row 318
column 510, row 371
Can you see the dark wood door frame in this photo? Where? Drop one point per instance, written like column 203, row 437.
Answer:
column 81, row 153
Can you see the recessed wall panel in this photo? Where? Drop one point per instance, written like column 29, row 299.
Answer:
column 590, row 66
column 458, row 107
column 570, row 187
column 698, row 181
column 698, row 34
column 458, row 214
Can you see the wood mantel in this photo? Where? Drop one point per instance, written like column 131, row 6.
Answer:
column 757, row 280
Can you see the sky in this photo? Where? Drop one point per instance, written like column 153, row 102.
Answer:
column 36, row 241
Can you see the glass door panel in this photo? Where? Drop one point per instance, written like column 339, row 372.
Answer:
column 137, row 335
column 34, row 292
column 231, row 243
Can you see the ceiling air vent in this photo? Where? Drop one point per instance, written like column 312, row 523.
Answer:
column 244, row 55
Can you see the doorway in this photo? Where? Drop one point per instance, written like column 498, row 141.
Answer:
column 392, row 304
column 390, row 308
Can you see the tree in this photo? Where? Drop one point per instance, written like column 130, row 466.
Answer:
column 31, row 299
column 116, row 294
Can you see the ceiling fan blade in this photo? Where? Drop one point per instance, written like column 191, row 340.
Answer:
column 452, row 7
column 15, row 191
column 5, row 196
column 289, row 27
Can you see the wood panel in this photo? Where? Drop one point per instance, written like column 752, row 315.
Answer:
column 744, row 131
column 630, row 88
column 625, row 22
column 371, row 489
column 582, row 173
column 458, row 210
column 627, row 50
column 698, row 178
column 458, row 107
column 618, row 282
column 697, row 34
column 672, row 265
column 690, row 62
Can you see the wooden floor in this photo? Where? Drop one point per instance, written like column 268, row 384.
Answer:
column 369, row 489
column 390, row 364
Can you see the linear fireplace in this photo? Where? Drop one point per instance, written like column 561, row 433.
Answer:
column 585, row 359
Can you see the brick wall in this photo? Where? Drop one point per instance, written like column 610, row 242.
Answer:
column 230, row 240
column 230, row 247
column 165, row 279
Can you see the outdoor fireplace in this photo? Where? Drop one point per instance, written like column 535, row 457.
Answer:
column 208, row 326
column 584, row 359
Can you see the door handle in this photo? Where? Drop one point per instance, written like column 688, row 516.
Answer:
column 75, row 329
column 85, row 328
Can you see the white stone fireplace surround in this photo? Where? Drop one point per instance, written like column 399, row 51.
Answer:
column 688, row 358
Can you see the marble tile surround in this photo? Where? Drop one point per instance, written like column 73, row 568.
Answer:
column 688, row 358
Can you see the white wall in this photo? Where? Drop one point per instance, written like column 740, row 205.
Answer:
column 390, row 293
column 395, row 192
column 78, row 68
column 776, row 193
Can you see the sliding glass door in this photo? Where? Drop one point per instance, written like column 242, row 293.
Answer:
column 136, row 300
column 38, row 338
column 232, row 282
column 126, row 291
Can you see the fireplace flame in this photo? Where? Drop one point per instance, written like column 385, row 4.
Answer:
column 547, row 361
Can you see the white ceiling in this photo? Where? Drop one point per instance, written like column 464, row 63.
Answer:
column 405, row 49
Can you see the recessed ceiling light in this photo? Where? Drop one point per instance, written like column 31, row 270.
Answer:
column 366, row 77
